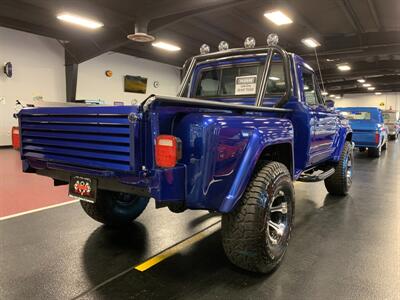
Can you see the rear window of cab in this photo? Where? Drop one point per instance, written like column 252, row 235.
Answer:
column 239, row 80
column 356, row 115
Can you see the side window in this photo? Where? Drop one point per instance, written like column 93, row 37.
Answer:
column 320, row 98
column 310, row 94
column 276, row 80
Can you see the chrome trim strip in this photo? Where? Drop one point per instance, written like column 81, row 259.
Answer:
column 209, row 104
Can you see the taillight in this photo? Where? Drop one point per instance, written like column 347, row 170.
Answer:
column 168, row 151
column 377, row 138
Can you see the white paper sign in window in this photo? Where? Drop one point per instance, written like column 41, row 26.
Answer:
column 245, row 85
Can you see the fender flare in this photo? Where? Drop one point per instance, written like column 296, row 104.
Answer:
column 247, row 167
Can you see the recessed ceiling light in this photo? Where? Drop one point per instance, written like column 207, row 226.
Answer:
column 81, row 21
column 278, row 17
column 344, row 67
column 378, row 93
column 361, row 80
column 338, row 97
column 332, row 95
column 324, row 93
column 366, row 84
column 310, row 42
column 166, row 46
column 371, row 88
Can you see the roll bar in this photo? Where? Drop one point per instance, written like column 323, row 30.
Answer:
column 242, row 52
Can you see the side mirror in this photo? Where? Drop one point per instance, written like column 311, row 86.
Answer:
column 330, row 103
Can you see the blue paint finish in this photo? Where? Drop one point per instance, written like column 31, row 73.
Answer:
column 94, row 137
column 220, row 146
column 365, row 131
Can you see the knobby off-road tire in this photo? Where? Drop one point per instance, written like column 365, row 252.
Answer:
column 256, row 233
column 340, row 182
column 115, row 209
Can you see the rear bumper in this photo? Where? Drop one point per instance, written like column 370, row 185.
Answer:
column 164, row 185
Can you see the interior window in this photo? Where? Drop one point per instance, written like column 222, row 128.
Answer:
column 310, row 94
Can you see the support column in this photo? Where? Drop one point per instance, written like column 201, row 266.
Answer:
column 71, row 78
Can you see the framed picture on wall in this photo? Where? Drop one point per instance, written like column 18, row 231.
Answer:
column 135, row 84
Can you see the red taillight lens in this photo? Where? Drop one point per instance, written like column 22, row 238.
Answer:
column 168, row 151
column 377, row 138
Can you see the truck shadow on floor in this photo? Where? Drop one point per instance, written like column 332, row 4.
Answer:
column 202, row 270
column 109, row 251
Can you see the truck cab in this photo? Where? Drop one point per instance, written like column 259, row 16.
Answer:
column 245, row 124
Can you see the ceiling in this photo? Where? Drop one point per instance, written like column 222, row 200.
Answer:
column 362, row 33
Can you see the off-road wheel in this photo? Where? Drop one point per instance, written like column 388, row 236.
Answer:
column 115, row 209
column 256, row 233
column 375, row 152
column 340, row 182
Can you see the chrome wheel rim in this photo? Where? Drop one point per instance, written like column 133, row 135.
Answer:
column 277, row 225
column 349, row 171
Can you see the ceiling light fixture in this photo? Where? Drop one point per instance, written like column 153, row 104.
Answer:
column 378, row 93
column 344, row 67
column 310, row 42
column 361, row 80
column 366, row 84
column 332, row 95
column 166, row 46
column 371, row 88
column 338, row 97
column 274, row 78
column 278, row 17
column 81, row 21
column 324, row 93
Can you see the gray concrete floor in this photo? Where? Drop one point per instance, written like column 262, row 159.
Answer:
column 341, row 248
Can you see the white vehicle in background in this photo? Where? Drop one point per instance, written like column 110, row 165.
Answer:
column 392, row 121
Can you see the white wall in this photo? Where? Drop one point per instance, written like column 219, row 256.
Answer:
column 390, row 100
column 93, row 84
column 38, row 67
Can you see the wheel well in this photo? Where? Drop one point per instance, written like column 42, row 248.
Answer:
column 349, row 137
column 281, row 153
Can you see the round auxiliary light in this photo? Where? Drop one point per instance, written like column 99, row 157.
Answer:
column 272, row 39
column 249, row 42
column 223, row 46
column 204, row 49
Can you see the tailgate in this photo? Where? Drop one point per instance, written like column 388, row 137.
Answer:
column 97, row 137
column 364, row 137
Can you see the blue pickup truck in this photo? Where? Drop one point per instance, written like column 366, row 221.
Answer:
column 369, row 130
column 246, row 123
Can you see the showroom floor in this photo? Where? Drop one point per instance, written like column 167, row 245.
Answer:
column 342, row 248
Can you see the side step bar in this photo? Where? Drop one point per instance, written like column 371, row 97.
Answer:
column 315, row 178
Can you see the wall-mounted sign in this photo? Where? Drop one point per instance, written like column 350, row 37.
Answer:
column 135, row 84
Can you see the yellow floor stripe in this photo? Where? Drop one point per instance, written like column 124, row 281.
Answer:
column 177, row 247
